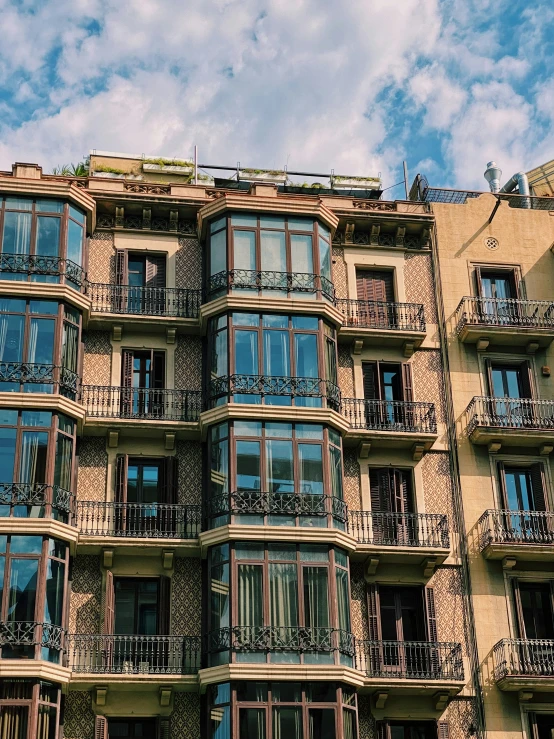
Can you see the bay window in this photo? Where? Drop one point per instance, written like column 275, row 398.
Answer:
column 272, row 359
column 42, row 240
column 29, row 709
column 290, row 604
column 275, row 474
column 271, row 255
column 37, row 457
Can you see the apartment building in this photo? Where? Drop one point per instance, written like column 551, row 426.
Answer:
column 229, row 490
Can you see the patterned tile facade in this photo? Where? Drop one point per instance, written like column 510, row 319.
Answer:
column 352, row 492
column 339, row 273
column 97, row 358
column 429, row 380
column 437, row 485
column 189, row 454
column 93, row 462
column 188, row 363
column 101, row 259
column 185, row 719
column 86, row 595
column 188, row 264
column 461, row 714
column 186, row 597
column 358, row 604
column 78, row 716
column 418, row 283
column 366, row 722
column 451, row 620
column 346, row 371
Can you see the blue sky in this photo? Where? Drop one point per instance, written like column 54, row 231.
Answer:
column 351, row 85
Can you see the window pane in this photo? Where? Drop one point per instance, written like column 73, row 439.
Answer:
column 53, row 605
column 324, row 259
column 286, row 692
column 36, row 418
column 252, row 723
column 306, row 323
column 336, row 472
column 26, row 544
column 301, row 224
column 287, row 723
column 48, row 236
column 309, row 431
column 311, row 469
column 49, row 206
column 283, row 430
column 305, row 355
column 249, row 550
column 40, row 349
column 283, row 596
column 248, row 465
column 7, row 454
column 219, row 597
column 70, row 346
column 219, row 354
column 246, row 352
column 16, row 203
column 14, row 721
column 321, row 723
column 218, row 252
column 280, row 475
column 246, row 319
column 274, row 253
column 248, row 428
column 220, row 723
column 242, row 219
column 48, row 307
column 272, row 221
column 276, row 353
column 219, row 476
column 343, row 600
column 251, row 691
column 11, row 338
column 23, row 589
column 269, row 320
column 62, row 469
column 75, row 242
column 301, row 254
column 12, row 305
column 244, row 250
column 216, row 225
column 77, row 214
column 251, row 600
column 316, row 604
column 17, row 233
column 34, row 448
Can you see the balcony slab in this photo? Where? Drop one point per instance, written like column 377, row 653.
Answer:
column 44, row 402
column 269, row 304
column 147, row 324
column 390, row 439
column 137, row 546
column 516, row 336
column 522, row 552
column 31, row 668
column 381, row 336
column 523, row 436
column 268, row 672
column 146, row 682
column 527, row 683
column 424, row 557
column 142, row 427
column 261, row 412
column 40, row 526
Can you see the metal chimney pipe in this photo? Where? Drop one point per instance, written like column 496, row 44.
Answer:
column 493, row 173
column 520, row 181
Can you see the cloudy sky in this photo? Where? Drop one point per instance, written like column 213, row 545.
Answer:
column 351, row 85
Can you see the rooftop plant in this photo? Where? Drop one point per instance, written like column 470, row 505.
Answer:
column 110, row 170
column 169, row 162
column 71, row 170
column 273, row 172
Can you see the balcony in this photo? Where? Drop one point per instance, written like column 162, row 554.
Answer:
column 510, row 422
column 502, row 321
column 30, row 639
column 401, row 538
column 524, row 664
column 122, row 656
column 373, row 322
column 41, row 269
column 393, row 423
column 136, row 306
column 152, row 410
column 394, row 665
column 270, row 284
column 35, row 500
column 525, row 535
column 38, row 378
column 308, row 392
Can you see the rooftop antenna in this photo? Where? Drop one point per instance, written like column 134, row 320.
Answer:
column 195, row 164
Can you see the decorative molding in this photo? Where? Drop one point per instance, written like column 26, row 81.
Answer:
column 117, row 332
column 169, row 442
column 165, row 696
column 107, row 558
column 100, row 695
column 494, row 447
column 168, row 556
column 482, row 344
column 113, row 439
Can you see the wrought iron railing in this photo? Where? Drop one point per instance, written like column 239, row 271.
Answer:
column 43, row 374
column 33, row 264
column 537, row 314
column 30, row 634
column 510, row 413
column 35, row 500
column 516, row 527
column 378, row 315
column 142, row 403
column 399, row 529
column 281, row 638
column 120, row 654
column 290, row 284
column 390, row 415
column 136, row 520
column 524, row 658
column 145, row 301
column 288, row 504
column 412, row 660
column 266, row 386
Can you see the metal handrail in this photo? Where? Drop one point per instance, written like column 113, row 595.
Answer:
column 33, row 372
column 304, row 283
column 523, row 657
column 138, row 520
column 38, row 496
column 105, row 401
column 382, row 315
column 281, row 638
column 515, row 527
column 262, row 385
column 390, row 415
column 411, row 660
column 399, row 529
column 145, row 301
column 510, row 413
column 35, row 264
column 31, row 633
column 504, row 312
column 133, row 654
column 264, row 503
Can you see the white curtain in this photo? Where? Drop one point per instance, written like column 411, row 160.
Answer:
column 33, row 344
column 17, row 233
column 287, row 723
column 283, row 593
column 316, row 604
column 250, row 595
column 276, row 353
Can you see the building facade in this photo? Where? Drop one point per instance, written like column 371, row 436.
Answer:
column 231, row 504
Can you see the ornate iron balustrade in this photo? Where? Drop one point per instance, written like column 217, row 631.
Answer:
column 281, row 638
column 295, row 284
column 524, row 658
column 44, row 374
column 142, row 403
column 271, row 385
column 510, row 413
column 390, row 415
column 30, row 634
column 411, row 660
column 399, row 529
column 41, row 500
column 537, row 314
column 138, row 520
column 288, row 504
column 516, row 527
column 184, row 228
column 118, row 654
column 33, row 264
column 384, row 316
column 145, row 301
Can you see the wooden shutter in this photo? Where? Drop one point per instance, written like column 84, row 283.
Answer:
column 158, row 370
column 488, row 371
column 121, row 471
column 402, row 492
column 126, row 368
column 100, row 727
column 538, row 483
column 121, row 271
column 164, row 606
column 407, row 384
column 155, row 271
column 383, row 730
column 527, row 379
column 369, row 372
column 109, row 605
column 375, row 285
column 478, row 282
column 432, row 631
column 170, row 494
column 443, row 730
column 163, row 728
column 502, row 484
column 519, row 609
column 375, row 490
column 533, row 725
column 373, row 611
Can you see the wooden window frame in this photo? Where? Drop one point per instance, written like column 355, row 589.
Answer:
column 518, row 609
column 33, row 703
column 122, row 257
column 442, row 728
column 374, row 610
column 361, row 270
column 513, row 271
column 163, row 625
column 406, row 378
column 535, row 470
column 525, row 366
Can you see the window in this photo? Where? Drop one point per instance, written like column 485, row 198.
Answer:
column 39, row 343
column 142, row 374
column 412, row 730
column 21, row 701
column 142, row 282
column 391, row 385
column 37, row 452
column 33, row 572
column 42, row 240
column 509, row 380
column 542, row 725
column 286, row 595
column 523, row 496
column 496, row 283
column 132, row 728
column 534, row 609
column 391, row 493
column 276, row 474
column 270, row 255
column 275, row 359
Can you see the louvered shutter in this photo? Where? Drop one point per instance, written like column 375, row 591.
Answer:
column 155, row 271
column 126, row 368
column 121, row 271
column 519, row 609
column 375, row 285
column 163, row 728
column 109, row 605
column 372, row 612
column 383, row 730
column 100, row 727
column 502, row 484
column 164, row 606
column 533, row 725
column 121, row 471
column 432, row 631
column 407, row 384
column 403, row 491
column 443, row 730
column 369, row 372
column 478, row 282
column 537, row 481
column 488, row 371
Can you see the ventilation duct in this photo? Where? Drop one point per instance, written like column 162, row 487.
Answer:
column 493, row 173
